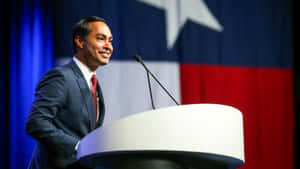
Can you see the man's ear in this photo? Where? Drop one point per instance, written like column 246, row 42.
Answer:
column 79, row 42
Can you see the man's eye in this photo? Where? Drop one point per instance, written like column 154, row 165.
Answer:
column 100, row 38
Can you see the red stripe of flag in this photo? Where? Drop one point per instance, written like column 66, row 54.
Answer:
column 263, row 95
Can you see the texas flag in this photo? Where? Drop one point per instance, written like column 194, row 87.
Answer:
column 236, row 53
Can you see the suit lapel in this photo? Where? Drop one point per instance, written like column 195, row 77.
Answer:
column 85, row 92
column 101, row 105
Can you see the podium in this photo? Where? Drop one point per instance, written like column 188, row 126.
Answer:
column 194, row 136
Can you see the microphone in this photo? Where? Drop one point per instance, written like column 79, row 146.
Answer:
column 139, row 59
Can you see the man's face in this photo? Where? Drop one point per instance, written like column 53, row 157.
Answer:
column 98, row 45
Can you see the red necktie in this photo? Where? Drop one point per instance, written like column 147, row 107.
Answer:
column 94, row 83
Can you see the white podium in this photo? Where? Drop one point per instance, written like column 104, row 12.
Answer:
column 191, row 134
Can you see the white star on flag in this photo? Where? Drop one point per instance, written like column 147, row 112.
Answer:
column 179, row 11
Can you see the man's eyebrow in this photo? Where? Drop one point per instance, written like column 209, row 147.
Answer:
column 101, row 34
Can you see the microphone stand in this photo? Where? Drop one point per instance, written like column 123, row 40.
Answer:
column 150, row 90
column 139, row 59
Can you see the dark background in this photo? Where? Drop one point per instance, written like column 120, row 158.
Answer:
column 296, row 70
column 4, row 77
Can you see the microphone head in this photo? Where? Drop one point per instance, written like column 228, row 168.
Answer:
column 138, row 58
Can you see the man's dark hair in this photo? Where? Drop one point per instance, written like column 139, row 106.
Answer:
column 82, row 29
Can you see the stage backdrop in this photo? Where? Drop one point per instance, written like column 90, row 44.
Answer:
column 237, row 53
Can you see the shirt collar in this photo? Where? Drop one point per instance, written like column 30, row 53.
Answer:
column 87, row 73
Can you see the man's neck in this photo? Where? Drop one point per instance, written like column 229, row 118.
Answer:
column 84, row 60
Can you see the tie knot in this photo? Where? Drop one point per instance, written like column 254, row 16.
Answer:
column 94, row 80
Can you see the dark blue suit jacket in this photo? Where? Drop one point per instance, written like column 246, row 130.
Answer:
column 61, row 114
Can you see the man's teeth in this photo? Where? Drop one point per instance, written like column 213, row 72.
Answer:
column 106, row 54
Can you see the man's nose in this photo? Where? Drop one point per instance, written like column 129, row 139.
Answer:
column 108, row 46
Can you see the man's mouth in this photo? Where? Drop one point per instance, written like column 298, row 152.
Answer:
column 105, row 54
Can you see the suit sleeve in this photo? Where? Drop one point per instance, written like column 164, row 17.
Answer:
column 50, row 97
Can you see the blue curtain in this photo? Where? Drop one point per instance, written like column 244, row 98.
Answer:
column 30, row 57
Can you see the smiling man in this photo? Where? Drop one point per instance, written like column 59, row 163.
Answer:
column 68, row 100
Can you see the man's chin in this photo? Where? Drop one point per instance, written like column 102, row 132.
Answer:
column 104, row 63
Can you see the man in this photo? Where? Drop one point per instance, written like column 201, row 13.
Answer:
column 68, row 100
